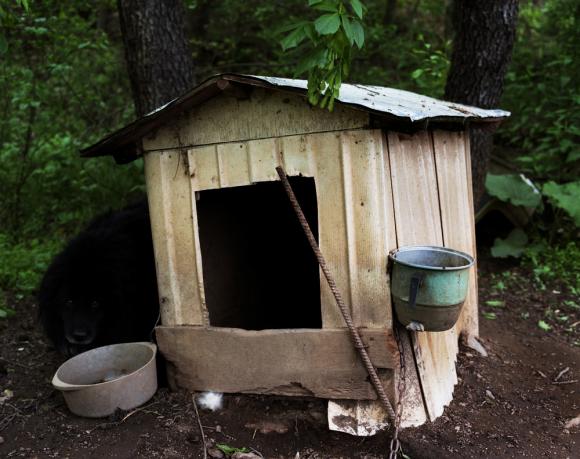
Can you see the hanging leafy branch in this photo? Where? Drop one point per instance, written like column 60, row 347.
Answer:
column 325, row 46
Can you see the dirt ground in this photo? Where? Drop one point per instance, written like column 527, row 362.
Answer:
column 513, row 403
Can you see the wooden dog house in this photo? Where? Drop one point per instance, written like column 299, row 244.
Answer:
column 386, row 168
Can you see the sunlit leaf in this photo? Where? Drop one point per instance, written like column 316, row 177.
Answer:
column 544, row 326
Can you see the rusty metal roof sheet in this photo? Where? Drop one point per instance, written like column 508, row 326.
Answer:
column 402, row 105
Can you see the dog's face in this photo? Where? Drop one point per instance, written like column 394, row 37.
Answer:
column 81, row 315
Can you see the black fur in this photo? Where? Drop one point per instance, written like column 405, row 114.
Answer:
column 102, row 288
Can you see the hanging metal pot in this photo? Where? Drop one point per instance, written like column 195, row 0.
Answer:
column 429, row 285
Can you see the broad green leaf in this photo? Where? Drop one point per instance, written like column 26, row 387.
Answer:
column 495, row 303
column 544, row 326
column 347, row 27
column 357, row 8
column 516, row 189
column 566, row 197
column 327, row 24
column 511, row 246
column 359, row 33
column 293, row 39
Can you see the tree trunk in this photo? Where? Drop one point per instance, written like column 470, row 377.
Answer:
column 159, row 62
column 482, row 48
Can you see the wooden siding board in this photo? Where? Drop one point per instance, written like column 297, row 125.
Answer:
column 457, row 210
column 321, row 363
column 170, row 203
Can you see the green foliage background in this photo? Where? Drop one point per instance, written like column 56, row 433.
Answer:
column 63, row 85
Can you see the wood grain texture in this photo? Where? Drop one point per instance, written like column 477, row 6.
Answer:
column 418, row 222
column 262, row 114
column 320, row 363
column 171, row 208
column 457, row 212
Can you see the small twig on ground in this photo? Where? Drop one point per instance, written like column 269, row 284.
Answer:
column 256, row 451
column 566, row 382
column 143, row 408
column 200, row 427
column 562, row 373
column 541, row 373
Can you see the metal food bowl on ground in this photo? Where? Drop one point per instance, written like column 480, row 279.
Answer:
column 98, row 382
column 429, row 285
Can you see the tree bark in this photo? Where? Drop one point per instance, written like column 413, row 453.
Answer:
column 159, row 61
column 482, row 48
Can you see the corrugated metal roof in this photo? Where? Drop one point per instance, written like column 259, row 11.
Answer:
column 396, row 102
column 402, row 105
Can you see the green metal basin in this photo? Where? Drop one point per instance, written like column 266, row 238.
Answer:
column 429, row 285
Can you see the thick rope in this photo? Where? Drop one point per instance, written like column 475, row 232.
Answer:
column 355, row 335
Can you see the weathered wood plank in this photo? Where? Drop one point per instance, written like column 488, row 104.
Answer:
column 457, row 213
column 170, row 203
column 320, row 363
column 204, row 168
column 264, row 114
column 263, row 160
column 233, row 164
column 332, row 225
column 418, row 221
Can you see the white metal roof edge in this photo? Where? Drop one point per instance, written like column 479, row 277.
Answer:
column 396, row 102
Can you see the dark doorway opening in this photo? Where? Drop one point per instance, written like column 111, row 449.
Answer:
column 259, row 271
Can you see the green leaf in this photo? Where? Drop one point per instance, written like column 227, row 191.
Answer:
column 489, row 315
column 227, row 449
column 417, row 73
column 293, row 39
column 330, row 6
column 516, row 189
column 495, row 303
column 566, row 197
column 347, row 27
column 359, row 34
column 327, row 24
column 544, row 326
column 511, row 246
column 357, row 8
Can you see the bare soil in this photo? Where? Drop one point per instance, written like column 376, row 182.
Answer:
column 513, row 403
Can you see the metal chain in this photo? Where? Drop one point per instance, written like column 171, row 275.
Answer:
column 395, row 445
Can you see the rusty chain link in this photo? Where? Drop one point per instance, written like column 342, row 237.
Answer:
column 395, row 445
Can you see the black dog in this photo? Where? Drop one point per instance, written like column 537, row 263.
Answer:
column 102, row 288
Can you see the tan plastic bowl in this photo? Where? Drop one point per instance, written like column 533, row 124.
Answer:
column 97, row 382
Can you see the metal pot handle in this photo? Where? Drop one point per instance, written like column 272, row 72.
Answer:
column 416, row 282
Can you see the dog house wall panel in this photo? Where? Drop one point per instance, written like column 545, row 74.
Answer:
column 250, row 114
column 356, row 227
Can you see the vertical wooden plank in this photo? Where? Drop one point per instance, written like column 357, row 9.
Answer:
column 262, row 160
column 418, row 221
column 457, row 212
column 234, row 169
column 370, row 233
column 203, row 168
column 297, row 156
column 169, row 194
column 327, row 152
